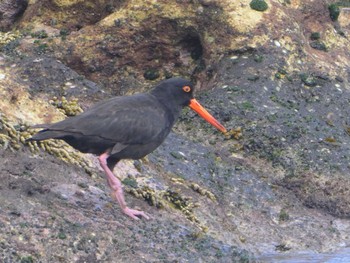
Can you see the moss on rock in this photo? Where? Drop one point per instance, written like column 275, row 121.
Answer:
column 6, row 38
column 334, row 11
column 69, row 108
column 258, row 5
column 15, row 136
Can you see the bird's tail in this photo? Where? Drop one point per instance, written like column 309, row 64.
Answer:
column 44, row 134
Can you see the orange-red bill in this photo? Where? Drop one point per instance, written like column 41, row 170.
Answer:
column 194, row 105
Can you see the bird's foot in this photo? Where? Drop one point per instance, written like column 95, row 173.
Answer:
column 135, row 214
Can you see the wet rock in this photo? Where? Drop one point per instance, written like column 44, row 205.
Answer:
column 286, row 167
column 10, row 11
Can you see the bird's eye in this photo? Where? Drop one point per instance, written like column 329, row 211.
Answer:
column 186, row 88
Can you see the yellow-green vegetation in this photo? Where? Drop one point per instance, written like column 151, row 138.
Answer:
column 137, row 11
column 183, row 203
column 64, row 152
column 203, row 191
column 69, row 108
column 8, row 37
column 66, row 3
column 281, row 73
column 235, row 133
column 15, row 136
column 148, row 194
column 178, row 180
column 9, row 137
column 172, row 198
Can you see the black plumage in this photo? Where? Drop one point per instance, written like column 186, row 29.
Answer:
column 128, row 127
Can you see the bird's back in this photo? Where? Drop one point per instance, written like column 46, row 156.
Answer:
column 120, row 123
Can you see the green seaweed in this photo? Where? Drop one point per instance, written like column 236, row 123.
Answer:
column 315, row 36
column 334, row 11
column 151, row 74
column 319, row 45
column 39, row 34
column 129, row 181
column 258, row 5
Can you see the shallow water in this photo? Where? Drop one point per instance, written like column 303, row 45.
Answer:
column 342, row 256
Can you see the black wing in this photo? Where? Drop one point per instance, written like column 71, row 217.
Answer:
column 131, row 120
column 137, row 119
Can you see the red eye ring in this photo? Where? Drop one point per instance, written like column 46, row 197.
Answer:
column 186, row 88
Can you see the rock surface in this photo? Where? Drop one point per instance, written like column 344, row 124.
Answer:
column 277, row 187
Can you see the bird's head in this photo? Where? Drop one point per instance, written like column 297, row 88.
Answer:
column 179, row 91
column 175, row 90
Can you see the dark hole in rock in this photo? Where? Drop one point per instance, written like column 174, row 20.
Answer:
column 193, row 45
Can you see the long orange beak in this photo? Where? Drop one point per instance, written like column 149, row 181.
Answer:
column 194, row 105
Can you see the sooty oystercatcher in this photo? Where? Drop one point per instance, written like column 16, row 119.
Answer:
column 128, row 127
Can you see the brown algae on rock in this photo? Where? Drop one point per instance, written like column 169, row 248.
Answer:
column 151, row 196
column 9, row 138
column 171, row 198
column 8, row 37
column 203, row 191
column 235, row 133
column 69, row 108
column 15, row 136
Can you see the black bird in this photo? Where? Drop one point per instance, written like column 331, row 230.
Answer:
column 128, row 127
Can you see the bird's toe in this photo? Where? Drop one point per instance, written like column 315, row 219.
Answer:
column 135, row 214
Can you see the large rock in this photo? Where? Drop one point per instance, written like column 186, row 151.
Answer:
column 281, row 185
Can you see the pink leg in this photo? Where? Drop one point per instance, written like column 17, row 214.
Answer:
column 116, row 186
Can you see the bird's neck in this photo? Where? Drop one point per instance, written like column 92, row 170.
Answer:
column 173, row 110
